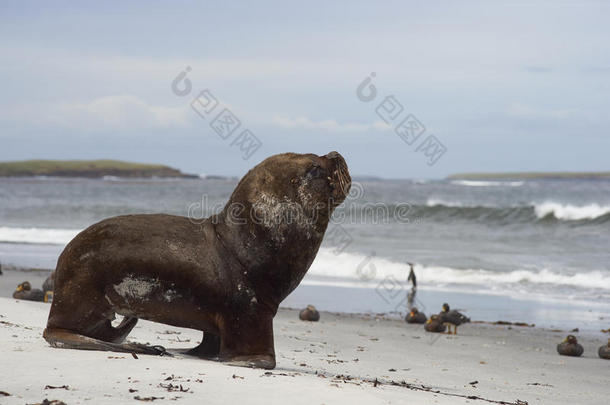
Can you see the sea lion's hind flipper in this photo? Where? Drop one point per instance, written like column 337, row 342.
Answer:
column 66, row 339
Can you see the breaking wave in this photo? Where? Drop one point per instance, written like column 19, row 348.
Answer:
column 481, row 183
column 37, row 235
column 358, row 267
column 442, row 210
column 570, row 212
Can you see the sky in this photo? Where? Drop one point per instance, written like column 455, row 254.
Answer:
column 493, row 86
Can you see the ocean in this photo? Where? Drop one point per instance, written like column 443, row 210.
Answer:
column 531, row 251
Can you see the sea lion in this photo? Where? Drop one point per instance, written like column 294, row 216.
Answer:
column 570, row 347
column 309, row 314
column 225, row 275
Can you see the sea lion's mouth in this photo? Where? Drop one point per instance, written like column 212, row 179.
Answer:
column 340, row 180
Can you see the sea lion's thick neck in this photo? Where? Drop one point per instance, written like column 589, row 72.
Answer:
column 260, row 247
column 276, row 217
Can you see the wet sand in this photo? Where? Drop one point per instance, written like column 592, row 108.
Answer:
column 341, row 359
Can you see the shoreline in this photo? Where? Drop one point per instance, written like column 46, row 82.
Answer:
column 342, row 358
column 589, row 318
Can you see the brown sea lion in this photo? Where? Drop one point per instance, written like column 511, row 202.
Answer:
column 225, row 275
column 570, row 347
column 309, row 314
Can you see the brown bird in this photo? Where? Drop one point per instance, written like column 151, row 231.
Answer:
column 415, row 316
column 452, row 317
column 434, row 324
column 570, row 347
column 47, row 287
column 309, row 314
column 604, row 351
column 24, row 291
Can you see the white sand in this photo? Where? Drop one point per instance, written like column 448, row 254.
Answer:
column 509, row 365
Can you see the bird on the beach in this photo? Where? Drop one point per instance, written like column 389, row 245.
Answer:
column 24, row 291
column 47, row 287
column 604, row 351
column 570, row 347
column 414, row 316
column 309, row 314
column 452, row 317
column 434, row 324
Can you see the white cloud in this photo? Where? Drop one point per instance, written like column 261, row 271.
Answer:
column 116, row 112
column 327, row 125
column 520, row 110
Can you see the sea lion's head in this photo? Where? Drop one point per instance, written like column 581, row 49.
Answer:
column 292, row 192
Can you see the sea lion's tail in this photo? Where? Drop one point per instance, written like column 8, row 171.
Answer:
column 66, row 339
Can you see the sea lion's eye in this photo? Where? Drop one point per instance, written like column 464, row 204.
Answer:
column 315, row 172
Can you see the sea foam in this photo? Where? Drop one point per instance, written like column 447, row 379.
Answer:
column 570, row 212
column 482, row 183
column 37, row 235
column 363, row 268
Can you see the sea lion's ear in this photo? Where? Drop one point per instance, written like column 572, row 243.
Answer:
column 316, row 172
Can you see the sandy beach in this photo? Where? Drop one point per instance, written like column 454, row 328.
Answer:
column 336, row 360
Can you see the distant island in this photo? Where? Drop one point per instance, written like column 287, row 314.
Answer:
column 532, row 176
column 88, row 168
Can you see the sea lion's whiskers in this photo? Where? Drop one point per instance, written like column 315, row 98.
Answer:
column 342, row 178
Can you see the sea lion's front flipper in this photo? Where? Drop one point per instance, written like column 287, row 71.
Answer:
column 66, row 339
column 248, row 341
column 264, row 361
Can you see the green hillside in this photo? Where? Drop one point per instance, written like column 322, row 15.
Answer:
column 86, row 168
